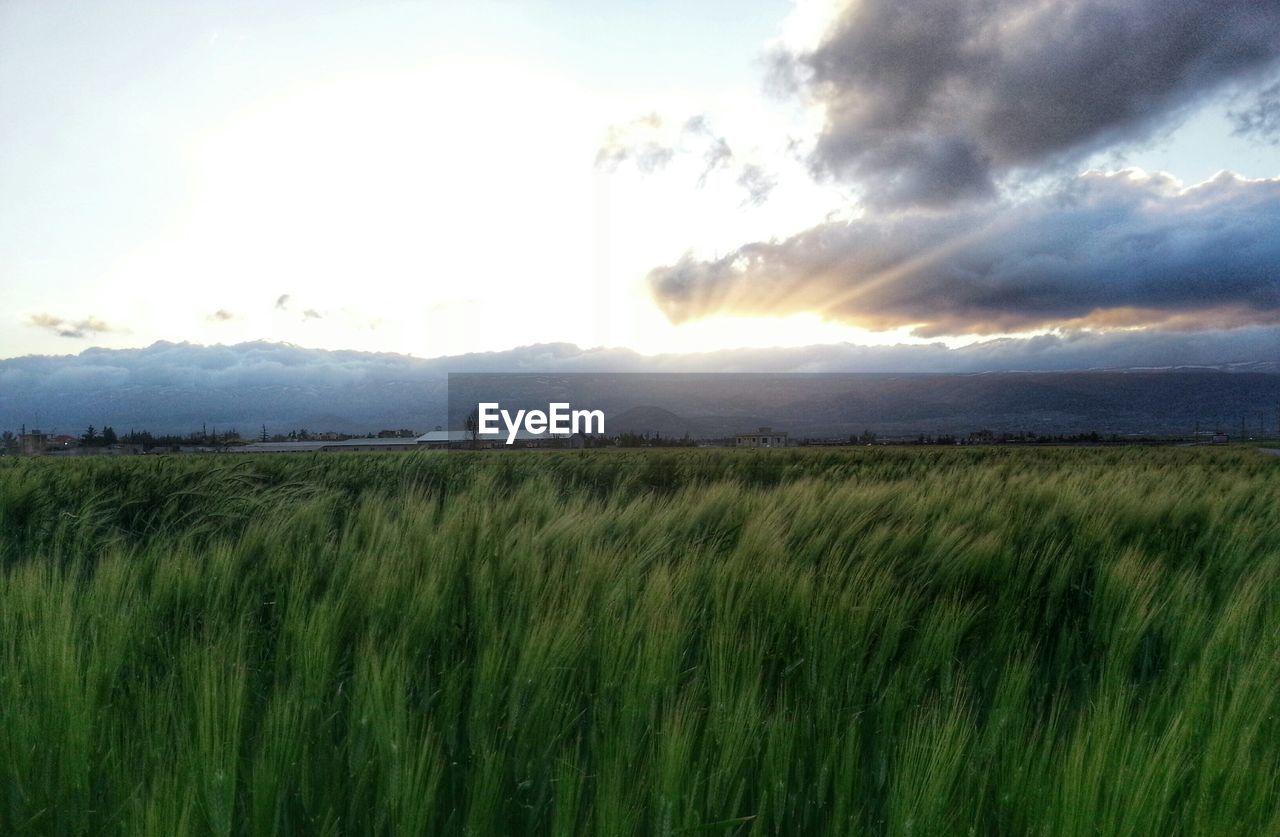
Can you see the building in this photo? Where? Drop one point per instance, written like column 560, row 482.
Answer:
column 466, row 439
column 439, row 439
column 119, row 449
column 525, row 439
column 765, row 437
column 344, row 446
column 32, row 443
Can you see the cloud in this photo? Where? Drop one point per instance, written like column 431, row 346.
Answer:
column 757, row 183
column 222, row 315
column 640, row 141
column 717, row 154
column 1106, row 250
column 46, row 321
column 282, row 304
column 932, row 102
column 651, row 144
column 72, row 330
column 1261, row 120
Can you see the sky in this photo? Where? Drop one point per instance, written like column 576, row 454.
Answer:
column 437, row 178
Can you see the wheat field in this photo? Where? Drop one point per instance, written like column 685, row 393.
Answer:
column 870, row 641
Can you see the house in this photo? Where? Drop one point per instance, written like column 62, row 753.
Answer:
column 765, row 437
column 32, row 443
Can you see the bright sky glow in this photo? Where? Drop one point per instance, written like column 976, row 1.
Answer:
column 405, row 177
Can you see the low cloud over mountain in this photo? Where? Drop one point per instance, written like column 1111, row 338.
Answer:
column 177, row 387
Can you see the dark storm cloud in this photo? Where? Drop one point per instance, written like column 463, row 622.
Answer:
column 930, row 102
column 75, row 330
column 1261, row 120
column 1118, row 250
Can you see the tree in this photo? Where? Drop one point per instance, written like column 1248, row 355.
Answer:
column 90, row 436
column 108, row 436
column 473, row 426
column 264, row 437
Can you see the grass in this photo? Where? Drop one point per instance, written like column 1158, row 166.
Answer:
column 878, row 641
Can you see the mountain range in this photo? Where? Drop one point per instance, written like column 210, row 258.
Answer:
column 180, row 387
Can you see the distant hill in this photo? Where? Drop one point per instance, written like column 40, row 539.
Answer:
column 178, row 387
column 653, row 420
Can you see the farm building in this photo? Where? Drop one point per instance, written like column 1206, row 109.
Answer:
column 466, row 439
column 33, row 442
column 347, row 445
column 435, row 439
column 765, row 437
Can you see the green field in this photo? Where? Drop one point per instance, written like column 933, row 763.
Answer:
column 868, row 641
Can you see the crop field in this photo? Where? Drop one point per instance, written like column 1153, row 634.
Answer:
column 860, row 641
